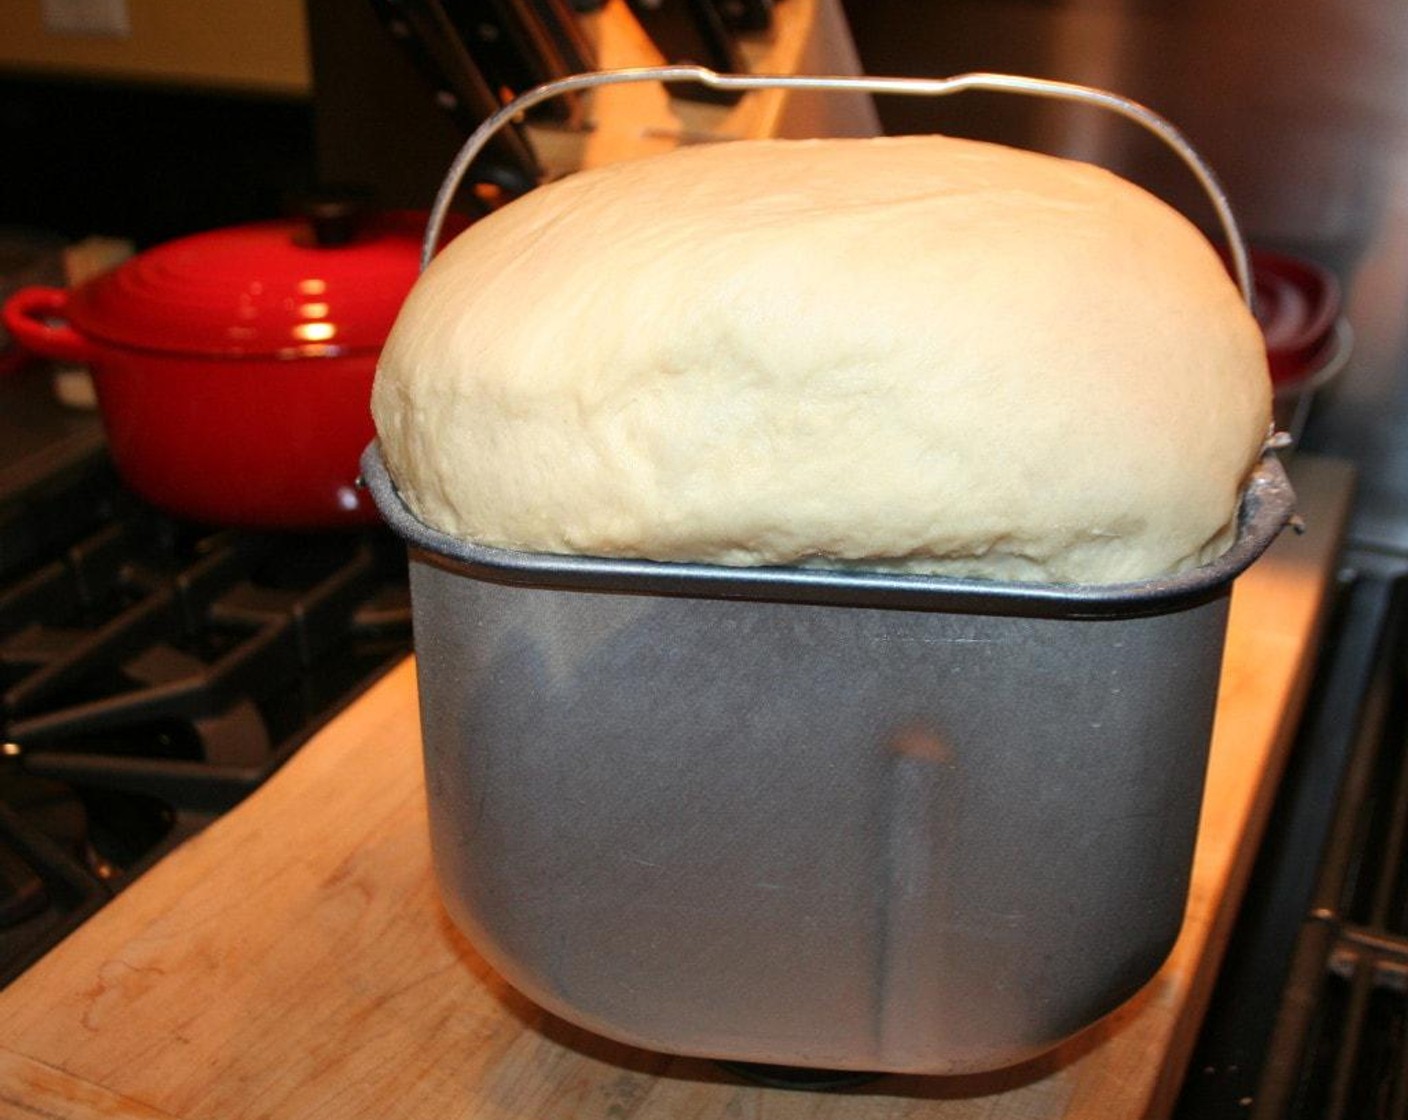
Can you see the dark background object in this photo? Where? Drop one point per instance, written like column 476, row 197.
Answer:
column 509, row 49
column 745, row 16
column 152, row 162
column 519, row 44
column 428, row 38
column 691, row 31
column 559, row 20
column 376, row 120
column 147, row 162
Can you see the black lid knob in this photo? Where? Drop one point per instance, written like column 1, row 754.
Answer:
column 335, row 215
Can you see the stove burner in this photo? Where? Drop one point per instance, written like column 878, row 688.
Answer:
column 153, row 674
column 53, row 810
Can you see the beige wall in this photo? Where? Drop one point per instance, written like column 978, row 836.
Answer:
column 256, row 45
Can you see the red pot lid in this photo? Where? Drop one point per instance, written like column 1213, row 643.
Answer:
column 268, row 288
column 1297, row 307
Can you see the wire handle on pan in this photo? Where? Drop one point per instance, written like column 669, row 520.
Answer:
column 923, row 87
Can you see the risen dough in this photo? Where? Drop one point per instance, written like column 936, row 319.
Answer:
column 923, row 353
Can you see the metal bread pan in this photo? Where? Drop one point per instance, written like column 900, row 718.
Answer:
column 831, row 819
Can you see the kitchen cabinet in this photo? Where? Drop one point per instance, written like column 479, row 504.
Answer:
column 254, row 46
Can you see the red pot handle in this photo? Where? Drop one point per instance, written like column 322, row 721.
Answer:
column 35, row 319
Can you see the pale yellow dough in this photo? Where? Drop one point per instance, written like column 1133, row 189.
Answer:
column 920, row 353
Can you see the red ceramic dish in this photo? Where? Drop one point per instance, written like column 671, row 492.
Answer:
column 1298, row 308
column 233, row 369
column 1308, row 341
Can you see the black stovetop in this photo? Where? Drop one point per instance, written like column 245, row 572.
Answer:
column 154, row 672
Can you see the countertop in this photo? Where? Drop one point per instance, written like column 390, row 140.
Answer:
column 294, row 959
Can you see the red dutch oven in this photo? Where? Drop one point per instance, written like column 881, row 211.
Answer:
column 1308, row 339
column 233, row 368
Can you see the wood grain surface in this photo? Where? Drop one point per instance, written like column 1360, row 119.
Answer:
column 294, row 959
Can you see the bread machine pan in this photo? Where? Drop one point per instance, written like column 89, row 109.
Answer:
column 816, row 818
column 838, row 819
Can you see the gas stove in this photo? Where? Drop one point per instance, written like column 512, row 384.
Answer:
column 1309, row 1019
column 153, row 673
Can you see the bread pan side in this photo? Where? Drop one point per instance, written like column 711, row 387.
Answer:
column 794, row 833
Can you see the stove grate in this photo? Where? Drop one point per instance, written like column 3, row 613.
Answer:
column 153, row 673
column 1339, row 1048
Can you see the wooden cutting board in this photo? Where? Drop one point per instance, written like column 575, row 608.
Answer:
column 294, row 960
